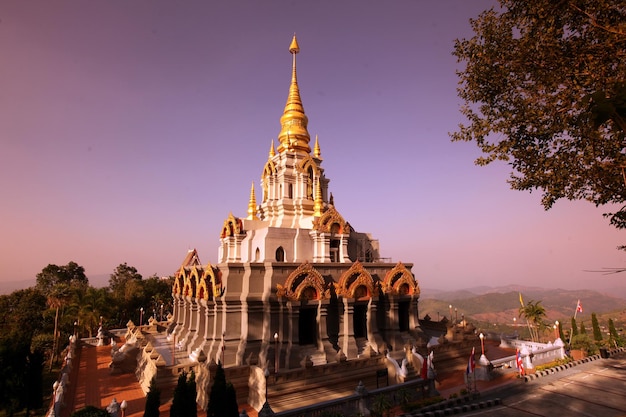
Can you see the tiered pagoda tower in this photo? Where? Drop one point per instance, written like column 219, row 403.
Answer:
column 295, row 285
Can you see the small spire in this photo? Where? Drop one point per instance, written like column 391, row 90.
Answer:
column 252, row 204
column 319, row 203
column 316, row 149
column 272, row 151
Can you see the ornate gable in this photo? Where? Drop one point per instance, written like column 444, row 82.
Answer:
column 305, row 283
column 400, row 281
column 356, row 282
column 330, row 222
column 232, row 226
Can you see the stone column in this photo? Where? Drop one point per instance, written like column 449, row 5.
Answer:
column 347, row 342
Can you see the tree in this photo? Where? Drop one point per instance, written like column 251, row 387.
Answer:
column 191, row 409
column 615, row 339
column 534, row 313
column 72, row 275
column 583, row 329
column 544, row 89
column 574, row 328
column 177, row 408
column 126, row 286
column 597, row 333
column 184, row 401
column 223, row 399
column 58, row 297
column 153, row 400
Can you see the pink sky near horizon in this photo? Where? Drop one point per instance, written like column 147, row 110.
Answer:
column 130, row 130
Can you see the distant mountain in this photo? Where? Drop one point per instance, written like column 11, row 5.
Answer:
column 9, row 286
column 501, row 305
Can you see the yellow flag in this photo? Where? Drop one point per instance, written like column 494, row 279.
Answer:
column 521, row 301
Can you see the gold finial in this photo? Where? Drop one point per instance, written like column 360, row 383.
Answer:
column 318, row 205
column 272, row 151
column 293, row 123
column 294, row 48
column 252, row 204
column 316, row 149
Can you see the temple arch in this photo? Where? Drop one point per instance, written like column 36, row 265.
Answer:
column 400, row 281
column 305, row 284
column 356, row 282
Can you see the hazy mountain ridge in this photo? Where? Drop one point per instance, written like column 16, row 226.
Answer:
column 501, row 304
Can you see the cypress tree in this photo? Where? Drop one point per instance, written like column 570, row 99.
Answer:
column 191, row 409
column 153, row 400
column 574, row 327
column 583, row 329
column 597, row 334
column 615, row 338
column 178, row 401
column 223, row 398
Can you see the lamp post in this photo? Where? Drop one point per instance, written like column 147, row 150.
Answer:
column 123, row 407
column 456, row 315
column 483, row 359
column 161, row 311
column 482, row 343
column 514, row 321
column 75, row 328
column 140, row 316
column 556, row 330
column 276, row 352
column 266, row 410
column 450, row 307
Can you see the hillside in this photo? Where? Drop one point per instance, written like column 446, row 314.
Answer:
column 501, row 305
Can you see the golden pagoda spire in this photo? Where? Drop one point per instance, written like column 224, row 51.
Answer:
column 316, row 149
column 293, row 123
column 319, row 203
column 252, row 204
column 272, row 151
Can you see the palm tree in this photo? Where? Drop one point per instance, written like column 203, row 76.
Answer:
column 57, row 298
column 534, row 313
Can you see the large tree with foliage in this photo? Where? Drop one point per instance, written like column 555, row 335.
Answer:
column 72, row 275
column 125, row 284
column 544, row 86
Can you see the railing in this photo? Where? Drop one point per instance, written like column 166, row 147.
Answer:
column 361, row 399
column 59, row 387
column 532, row 354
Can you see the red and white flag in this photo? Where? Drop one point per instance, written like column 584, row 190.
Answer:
column 579, row 307
column 471, row 365
column 518, row 362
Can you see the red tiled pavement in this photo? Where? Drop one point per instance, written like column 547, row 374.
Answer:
column 93, row 384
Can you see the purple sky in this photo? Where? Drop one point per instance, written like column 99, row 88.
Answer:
column 130, row 129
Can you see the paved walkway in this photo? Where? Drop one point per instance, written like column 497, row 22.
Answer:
column 93, row 384
column 96, row 386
